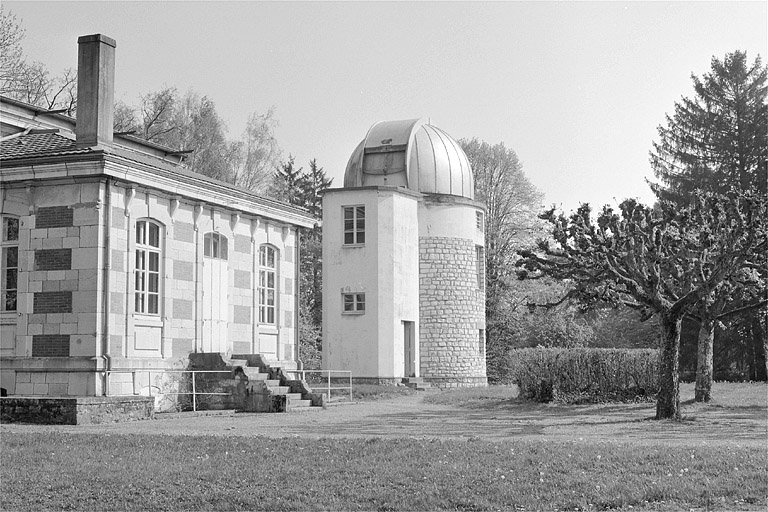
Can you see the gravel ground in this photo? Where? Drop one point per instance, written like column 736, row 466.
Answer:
column 412, row 416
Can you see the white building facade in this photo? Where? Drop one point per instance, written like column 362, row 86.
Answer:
column 115, row 257
column 403, row 261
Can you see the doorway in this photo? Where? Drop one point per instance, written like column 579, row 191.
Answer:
column 409, row 346
column 215, row 294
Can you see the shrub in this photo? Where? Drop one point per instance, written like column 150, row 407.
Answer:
column 583, row 375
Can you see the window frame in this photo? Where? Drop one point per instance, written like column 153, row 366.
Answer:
column 480, row 221
column 480, row 267
column 268, row 312
column 145, row 253
column 356, row 300
column 215, row 246
column 355, row 230
column 8, row 246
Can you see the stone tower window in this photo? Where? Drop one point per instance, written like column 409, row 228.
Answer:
column 215, row 246
column 147, row 272
column 480, row 267
column 353, row 303
column 9, row 264
column 267, row 283
column 479, row 221
column 354, row 225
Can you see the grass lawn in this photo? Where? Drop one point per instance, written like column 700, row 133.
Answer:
column 95, row 472
column 78, row 470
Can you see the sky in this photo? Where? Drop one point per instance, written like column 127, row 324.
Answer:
column 576, row 89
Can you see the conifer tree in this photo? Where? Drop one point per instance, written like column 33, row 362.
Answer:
column 304, row 188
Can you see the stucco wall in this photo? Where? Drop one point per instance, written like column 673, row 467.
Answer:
column 385, row 268
column 350, row 341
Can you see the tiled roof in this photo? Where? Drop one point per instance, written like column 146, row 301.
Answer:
column 38, row 144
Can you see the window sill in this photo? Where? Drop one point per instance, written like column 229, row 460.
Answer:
column 353, row 246
column 148, row 320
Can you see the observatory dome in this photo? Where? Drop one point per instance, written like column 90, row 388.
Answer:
column 410, row 153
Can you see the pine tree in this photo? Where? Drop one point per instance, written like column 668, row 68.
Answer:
column 718, row 139
column 304, row 188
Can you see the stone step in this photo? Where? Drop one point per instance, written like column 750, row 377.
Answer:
column 302, row 410
column 237, row 362
column 300, row 404
column 254, row 374
column 279, row 390
column 272, row 382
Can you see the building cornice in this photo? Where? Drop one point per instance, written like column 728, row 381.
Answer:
column 170, row 181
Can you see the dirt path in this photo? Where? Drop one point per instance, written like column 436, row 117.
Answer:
column 412, row 416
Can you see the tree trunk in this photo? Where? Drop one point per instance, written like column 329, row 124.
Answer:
column 765, row 354
column 668, row 399
column 704, row 369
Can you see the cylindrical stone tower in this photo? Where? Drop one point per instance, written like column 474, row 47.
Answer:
column 452, row 291
column 435, row 293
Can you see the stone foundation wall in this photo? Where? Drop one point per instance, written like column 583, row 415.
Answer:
column 75, row 411
column 452, row 313
column 457, row 382
column 377, row 381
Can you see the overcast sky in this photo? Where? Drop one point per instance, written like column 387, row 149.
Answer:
column 576, row 89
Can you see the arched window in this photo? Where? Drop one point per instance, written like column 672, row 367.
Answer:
column 147, row 272
column 267, row 284
column 215, row 246
column 9, row 263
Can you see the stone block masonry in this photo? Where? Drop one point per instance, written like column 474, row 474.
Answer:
column 52, row 302
column 451, row 311
column 53, row 259
column 50, row 345
column 75, row 411
column 54, row 217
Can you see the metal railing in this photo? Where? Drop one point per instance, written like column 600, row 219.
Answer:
column 327, row 383
column 159, row 371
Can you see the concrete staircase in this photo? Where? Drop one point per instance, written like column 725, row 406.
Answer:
column 255, row 385
column 418, row 384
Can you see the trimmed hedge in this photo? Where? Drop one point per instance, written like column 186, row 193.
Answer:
column 583, row 375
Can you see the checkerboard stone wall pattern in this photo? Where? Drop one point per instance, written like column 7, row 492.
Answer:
column 53, row 259
column 50, row 345
column 54, row 217
column 52, row 302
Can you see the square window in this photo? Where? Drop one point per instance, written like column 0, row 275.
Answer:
column 353, row 303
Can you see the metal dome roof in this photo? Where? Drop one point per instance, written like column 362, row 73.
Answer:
column 410, row 153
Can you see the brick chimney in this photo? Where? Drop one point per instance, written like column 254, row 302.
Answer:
column 95, row 90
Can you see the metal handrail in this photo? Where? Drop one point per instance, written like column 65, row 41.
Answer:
column 149, row 372
column 328, row 386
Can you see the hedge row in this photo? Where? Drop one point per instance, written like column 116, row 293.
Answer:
column 583, row 375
